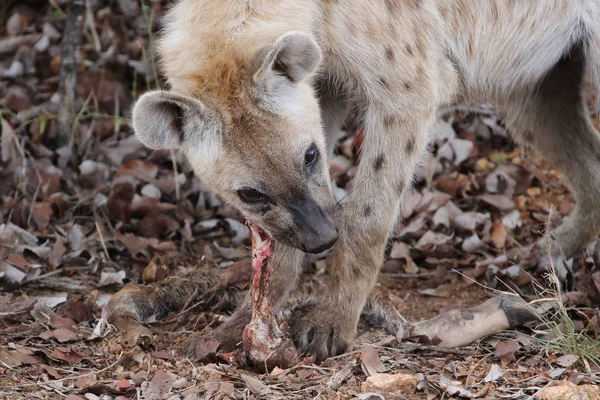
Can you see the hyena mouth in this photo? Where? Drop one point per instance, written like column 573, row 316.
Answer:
column 265, row 342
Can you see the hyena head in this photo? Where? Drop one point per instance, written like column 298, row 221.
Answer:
column 252, row 132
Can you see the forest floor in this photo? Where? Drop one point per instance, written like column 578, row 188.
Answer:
column 79, row 220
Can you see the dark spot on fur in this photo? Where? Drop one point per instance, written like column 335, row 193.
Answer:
column 410, row 145
column 378, row 163
column 367, row 211
column 409, row 50
column 467, row 315
column 356, row 272
column 407, row 86
column 436, row 340
column 389, row 53
column 420, row 47
column 384, row 82
column 391, row 5
column 420, row 71
column 389, row 121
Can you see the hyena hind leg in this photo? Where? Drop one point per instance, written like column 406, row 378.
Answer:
column 555, row 121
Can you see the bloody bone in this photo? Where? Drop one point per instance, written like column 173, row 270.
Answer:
column 266, row 344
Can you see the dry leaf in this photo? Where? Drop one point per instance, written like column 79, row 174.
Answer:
column 494, row 374
column 370, row 362
column 498, row 234
column 41, row 213
column 111, row 278
column 143, row 170
column 255, row 386
column 506, row 349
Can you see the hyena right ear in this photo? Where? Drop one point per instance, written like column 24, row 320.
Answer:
column 294, row 55
column 165, row 120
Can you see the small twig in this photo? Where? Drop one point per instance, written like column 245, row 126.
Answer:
column 102, row 241
column 473, row 369
column 35, row 195
column 92, row 25
column 69, row 64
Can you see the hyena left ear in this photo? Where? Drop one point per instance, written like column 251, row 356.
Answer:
column 294, row 56
column 167, row 120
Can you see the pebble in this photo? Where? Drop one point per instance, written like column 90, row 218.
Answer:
column 150, row 190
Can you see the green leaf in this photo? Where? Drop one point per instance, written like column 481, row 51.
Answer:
column 43, row 123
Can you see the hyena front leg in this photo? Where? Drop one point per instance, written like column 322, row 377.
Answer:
column 391, row 147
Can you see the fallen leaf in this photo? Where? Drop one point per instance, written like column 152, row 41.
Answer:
column 400, row 250
column 506, row 349
column 111, row 278
column 66, row 354
column 255, row 386
column 140, row 169
column 163, row 380
column 472, row 243
column 498, row 234
column 58, row 251
column 567, row 360
column 494, row 374
column 501, row 202
column 432, row 239
column 76, row 238
column 119, row 201
column 50, row 371
column 41, row 213
column 453, row 389
column 370, row 362
column 206, row 349
column 124, row 385
column 64, row 335
column 18, row 358
column 156, row 224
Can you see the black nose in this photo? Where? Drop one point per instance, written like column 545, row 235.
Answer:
column 319, row 246
column 313, row 228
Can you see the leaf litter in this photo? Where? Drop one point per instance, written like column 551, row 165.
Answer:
column 80, row 223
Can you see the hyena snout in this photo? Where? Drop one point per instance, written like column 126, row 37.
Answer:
column 314, row 229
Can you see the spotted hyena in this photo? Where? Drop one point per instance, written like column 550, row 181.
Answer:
column 259, row 88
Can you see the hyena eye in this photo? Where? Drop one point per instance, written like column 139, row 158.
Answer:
column 251, row 196
column 311, row 156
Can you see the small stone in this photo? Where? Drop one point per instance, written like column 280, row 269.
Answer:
column 150, row 190
column 390, row 383
column 180, row 383
column 565, row 390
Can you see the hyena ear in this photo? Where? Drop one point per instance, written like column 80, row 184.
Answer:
column 165, row 120
column 295, row 56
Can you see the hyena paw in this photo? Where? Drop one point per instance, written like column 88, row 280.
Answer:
column 322, row 331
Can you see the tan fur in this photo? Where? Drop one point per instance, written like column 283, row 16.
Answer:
column 398, row 61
